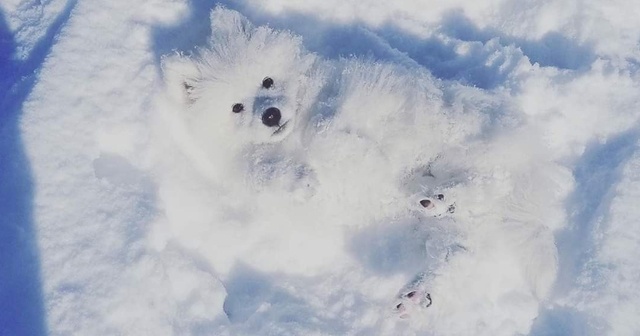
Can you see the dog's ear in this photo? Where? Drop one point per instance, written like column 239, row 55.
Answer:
column 189, row 88
column 228, row 26
column 181, row 76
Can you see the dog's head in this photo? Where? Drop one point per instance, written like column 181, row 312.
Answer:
column 248, row 86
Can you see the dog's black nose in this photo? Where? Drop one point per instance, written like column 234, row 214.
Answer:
column 271, row 117
column 267, row 82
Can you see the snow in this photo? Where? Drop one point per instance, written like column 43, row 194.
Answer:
column 135, row 202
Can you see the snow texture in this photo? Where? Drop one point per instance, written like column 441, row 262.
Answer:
column 470, row 169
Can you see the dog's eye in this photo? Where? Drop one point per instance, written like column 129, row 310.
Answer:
column 237, row 108
column 267, row 82
column 440, row 197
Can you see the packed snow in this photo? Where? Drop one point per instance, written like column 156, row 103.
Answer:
column 192, row 167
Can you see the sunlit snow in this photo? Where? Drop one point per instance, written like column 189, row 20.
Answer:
column 174, row 167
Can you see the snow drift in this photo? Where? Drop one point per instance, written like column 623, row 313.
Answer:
column 403, row 173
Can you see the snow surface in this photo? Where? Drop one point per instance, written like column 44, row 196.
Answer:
column 135, row 202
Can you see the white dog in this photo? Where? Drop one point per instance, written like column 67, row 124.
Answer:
column 257, row 111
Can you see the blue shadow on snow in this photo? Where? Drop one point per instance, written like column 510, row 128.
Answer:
column 597, row 173
column 490, row 57
column 22, row 309
column 256, row 299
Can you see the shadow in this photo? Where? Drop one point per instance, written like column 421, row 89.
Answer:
column 484, row 58
column 458, row 50
column 561, row 322
column 21, row 307
column 597, row 174
column 21, row 303
column 408, row 246
column 254, row 297
column 485, row 65
column 390, row 248
column 332, row 40
column 192, row 32
column 19, row 77
column 326, row 39
column 552, row 50
column 8, row 70
column 634, row 65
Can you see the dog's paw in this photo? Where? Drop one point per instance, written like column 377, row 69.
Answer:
column 437, row 205
column 409, row 302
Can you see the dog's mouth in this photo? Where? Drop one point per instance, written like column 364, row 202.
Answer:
column 281, row 128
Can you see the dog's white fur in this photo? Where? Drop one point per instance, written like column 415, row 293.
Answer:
column 230, row 70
